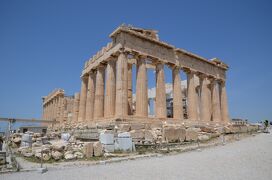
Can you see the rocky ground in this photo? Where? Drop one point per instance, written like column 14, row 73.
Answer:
column 248, row 158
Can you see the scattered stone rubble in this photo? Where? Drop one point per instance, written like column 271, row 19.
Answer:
column 94, row 141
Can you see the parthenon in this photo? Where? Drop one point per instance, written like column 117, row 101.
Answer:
column 106, row 83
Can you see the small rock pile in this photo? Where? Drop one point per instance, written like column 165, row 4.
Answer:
column 57, row 149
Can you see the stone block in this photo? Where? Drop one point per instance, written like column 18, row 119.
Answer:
column 124, row 127
column 150, row 136
column 106, row 138
column 98, row 149
column 207, row 129
column 124, row 144
column 137, row 126
column 174, row 134
column 56, row 155
column 191, row 135
column 203, row 137
column 88, row 150
column 109, row 148
column 137, row 134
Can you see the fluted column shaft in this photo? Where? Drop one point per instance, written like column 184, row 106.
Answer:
column 83, row 98
column 90, row 96
column 224, row 103
column 54, row 108
column 62, row 109
column 204, row 100
column 192, row 101
column 160, row 92
column 130, row 110
column 75, row 107
column 51, row 109
column 177, row 94
column 110, row 90
column 121, row 107
column 141, row 89
column 99, row 92
column 216, row 112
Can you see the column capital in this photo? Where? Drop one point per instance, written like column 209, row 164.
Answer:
column 175, row 67
column 84, row 77
column 189, row 71
column 122, row 51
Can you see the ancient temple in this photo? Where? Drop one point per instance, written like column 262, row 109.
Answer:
column 106, row 86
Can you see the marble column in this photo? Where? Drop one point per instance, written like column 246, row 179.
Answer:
column 177, row 94
column 99, row 92
column 204, row 99
column 90, row 96
column 110, row 94
column 141, row 88
column 160, row 92
column 216, row 113
column 83, row 98
column 192, row 101
column 58, row 109
column 61, row 109
column 51, row 109
column 75, row 107
column 54, row 108
column 224, row 102
column 121, row 102
column 130, row 109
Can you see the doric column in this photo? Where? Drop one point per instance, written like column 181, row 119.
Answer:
column 216, row 112
column 204, row 99
column 224, row 102
column 90, row 96
column 58, row 109
column 192, row 101
column 61, row 109
column 160, row 92
column 110, row 94
column 130, row 110
column 141, row 88
column 121, row 107
column 83, row 98
column 99, row 92
column 54, row 108
column 75, row 107
column 47, row 110
column 177, row 94
column 51, row 109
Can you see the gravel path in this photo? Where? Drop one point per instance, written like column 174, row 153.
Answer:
column 249, row 158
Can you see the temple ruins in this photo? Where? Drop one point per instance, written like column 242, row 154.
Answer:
column 106, row 84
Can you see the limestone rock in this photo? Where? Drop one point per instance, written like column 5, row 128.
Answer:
column 191, row 135
column 88, row 149
column 207, row 129
column 78, row 155
column 36, row 144
column 137, row 126
column 59, row 146
column 150, row 136
column 69, row 156
column 203, row 137
column 174, row 134
column 57, row 155
column 46, row 156
column 124, row 127
column 137, row 134
column 98, row 149
column 17, row 140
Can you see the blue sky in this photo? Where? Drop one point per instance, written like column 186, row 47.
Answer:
column 44, row 44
